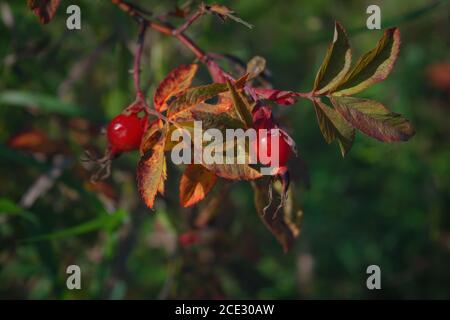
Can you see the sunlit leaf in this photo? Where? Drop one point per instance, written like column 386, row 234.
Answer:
column 372, row 67
column 175, row 82
column 151, row 170
column 196, row 182
column 196, row 95
column 336, row 63
column 374, row 119
column 151, row 136
column 233, row 171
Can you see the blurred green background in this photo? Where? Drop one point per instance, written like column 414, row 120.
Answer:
column 384, row 204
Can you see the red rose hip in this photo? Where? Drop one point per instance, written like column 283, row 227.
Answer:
column 265, row 150
column 125, row 132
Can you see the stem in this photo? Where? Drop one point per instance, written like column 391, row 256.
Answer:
column 167, row 29
column 200, row 12
column 137, row 60
column 162, row 28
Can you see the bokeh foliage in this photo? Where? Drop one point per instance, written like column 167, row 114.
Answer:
column 384, row 204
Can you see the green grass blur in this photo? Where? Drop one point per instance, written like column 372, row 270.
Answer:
column 384, row 204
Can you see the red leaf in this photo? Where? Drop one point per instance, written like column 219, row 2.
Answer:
column 44, row 9
column 279, row 96
column 217, row 74
column 176, row 81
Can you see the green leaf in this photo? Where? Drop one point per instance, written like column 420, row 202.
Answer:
column 241, row 105
column 334, row 126
column 336, row 63
column 40, row 101
column 7, row 207
column 374, row 119
column 107, row 221
column 373, row 66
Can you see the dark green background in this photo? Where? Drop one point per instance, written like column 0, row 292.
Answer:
column 384, row 204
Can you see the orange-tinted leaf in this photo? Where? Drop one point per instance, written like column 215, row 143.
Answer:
column 151, row 136
column 150, row 172
column 175, row 82
column 196, row 95
column 196, row 182
column 234, row 171
column 44, row 9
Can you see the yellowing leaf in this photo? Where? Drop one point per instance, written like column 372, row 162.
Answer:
column 221, row 121
column 151, row 172
column 225, row 12
column 374, row 119
column 234, row 171
column 175, row 82
column 336, row 62
column 334, row 126
column 196, row 95
column 151, row 136
column 241, row 105
column 196, row 182
column 256, row 66
column 373, row 66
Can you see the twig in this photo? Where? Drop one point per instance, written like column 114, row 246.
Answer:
column 199, row 13
column 164, row 28
column 137, row 59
